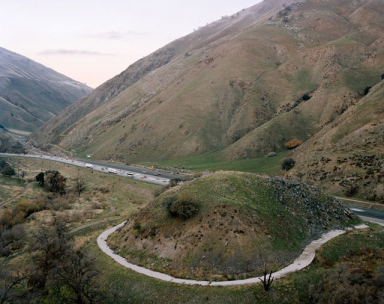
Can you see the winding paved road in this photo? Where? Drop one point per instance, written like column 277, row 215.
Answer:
column 301, row 262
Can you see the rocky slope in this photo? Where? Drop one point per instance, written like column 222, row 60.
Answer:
column 235, row 85
column 230, row 225
column 31, row 94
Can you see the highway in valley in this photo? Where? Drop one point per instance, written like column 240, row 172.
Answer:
column 163, row 178
column 371, row 215
column 149, row 176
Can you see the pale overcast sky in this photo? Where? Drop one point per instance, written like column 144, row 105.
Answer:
column 94, row 40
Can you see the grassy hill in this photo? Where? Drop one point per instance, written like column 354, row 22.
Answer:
column 228, row 226
column 31, row 94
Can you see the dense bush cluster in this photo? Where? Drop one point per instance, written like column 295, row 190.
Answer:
column 11, row 239
column 184, row 207
column 52, row 181
column 19, row 213
column 12, row 219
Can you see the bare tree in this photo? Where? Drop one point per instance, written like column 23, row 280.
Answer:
column 267, row 282
column 11, row 284
column 50, row 243
column 77, row 272
column 69, row 274
column 79, row 185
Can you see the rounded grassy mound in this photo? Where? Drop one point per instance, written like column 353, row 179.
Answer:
column 228, row 226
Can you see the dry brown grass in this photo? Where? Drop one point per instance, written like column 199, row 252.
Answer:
column 293, row 143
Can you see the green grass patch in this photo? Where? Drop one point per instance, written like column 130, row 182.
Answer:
column 6, row 186
column 11, row 181
column 350, row 244
column 211, row 162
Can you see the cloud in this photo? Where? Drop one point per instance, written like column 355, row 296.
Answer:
column 72, row 52
column 116, row 35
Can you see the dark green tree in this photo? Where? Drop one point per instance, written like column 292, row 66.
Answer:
column 40, row 178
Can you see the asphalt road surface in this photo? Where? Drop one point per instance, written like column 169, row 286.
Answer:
column 372, row 215
column 150, row 176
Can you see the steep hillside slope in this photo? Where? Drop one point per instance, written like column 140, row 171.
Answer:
column 235, row 85
column 240, row 223
column 347, row 154
column 31, row 94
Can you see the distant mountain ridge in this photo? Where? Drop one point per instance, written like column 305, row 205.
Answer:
column 235, row 86
column 31, row 94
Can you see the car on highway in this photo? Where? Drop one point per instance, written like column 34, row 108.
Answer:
column 90, row 166
column 111, row 170
column 130, row 174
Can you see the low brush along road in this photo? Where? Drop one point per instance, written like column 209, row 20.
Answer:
column 146, row 175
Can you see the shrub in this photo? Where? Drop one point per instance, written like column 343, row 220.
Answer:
column 102, row 189
column 19, row 213
column 306, row 97
column 351, row 190
column 293, row 143
column 366, row 90
column 288, row 164
column 167, row 201
column 137, row 226
column 185, row 207
column 8, row 171
column 174, row 182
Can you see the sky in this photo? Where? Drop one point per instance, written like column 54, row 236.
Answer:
column 93, row 40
